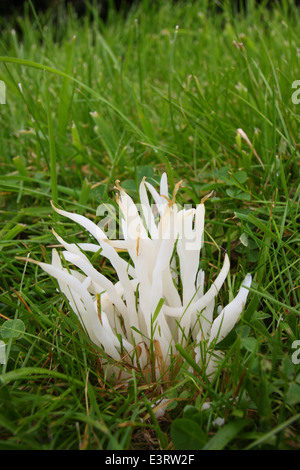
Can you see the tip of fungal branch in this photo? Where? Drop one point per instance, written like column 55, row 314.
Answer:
column 177, row 186
column 30, row 260
column 56, row 235
column 207, row 197
column 53, row 206
column 167, row 199
column 172, row 201
column 246, row 138
column 117, row 186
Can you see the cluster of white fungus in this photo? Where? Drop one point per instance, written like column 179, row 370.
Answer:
column 158, row 298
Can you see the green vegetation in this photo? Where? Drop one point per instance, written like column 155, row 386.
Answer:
column 161, row 87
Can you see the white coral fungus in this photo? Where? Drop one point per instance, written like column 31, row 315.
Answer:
column 158, row 298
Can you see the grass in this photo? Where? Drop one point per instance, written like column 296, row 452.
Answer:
column 161, row 87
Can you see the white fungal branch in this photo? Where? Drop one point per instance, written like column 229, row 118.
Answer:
column 118, row 317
